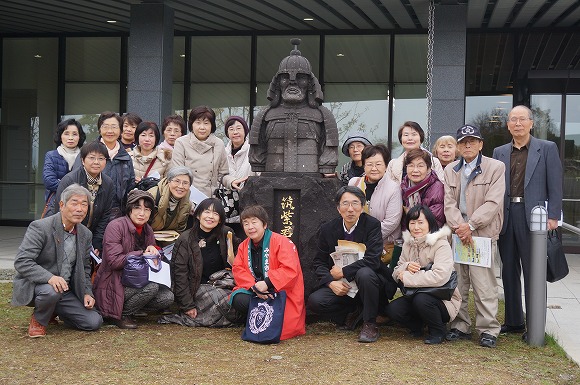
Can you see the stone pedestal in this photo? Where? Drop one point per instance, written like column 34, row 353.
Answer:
column 298, row 204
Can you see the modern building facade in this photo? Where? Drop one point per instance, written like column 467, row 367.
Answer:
column 373, row 58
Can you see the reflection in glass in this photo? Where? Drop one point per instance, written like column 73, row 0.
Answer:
column 571, row 204
column 489, row 113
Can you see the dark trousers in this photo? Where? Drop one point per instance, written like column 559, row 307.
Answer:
column 150, row 297
column 323, row 302
column 241, row 303
column 514, row 250
column 66, row 305
column 421, row 309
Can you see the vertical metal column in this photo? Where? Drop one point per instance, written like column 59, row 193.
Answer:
column 537, row 302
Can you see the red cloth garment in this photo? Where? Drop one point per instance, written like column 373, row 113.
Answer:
column 285, row 273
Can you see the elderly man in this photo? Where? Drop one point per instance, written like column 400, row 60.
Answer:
column 331, row 299
column 53, row 267
column 474, row 189
column 533, row 175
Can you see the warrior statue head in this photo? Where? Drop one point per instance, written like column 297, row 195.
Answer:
column 294, row 83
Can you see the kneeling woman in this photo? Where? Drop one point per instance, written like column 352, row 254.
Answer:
column 268, row 262
column 199, row 252
column 424, row 244
column 128, row 235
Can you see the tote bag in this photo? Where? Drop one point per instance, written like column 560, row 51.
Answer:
column 557, row 265
column 265, row 319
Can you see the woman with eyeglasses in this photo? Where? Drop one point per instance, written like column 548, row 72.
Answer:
column 172, row 200
column 69, row 137
column 383, row 197
column 421, row 186
column 173, row 127
column 198, row 253
column 352, row 147
column 90, row 175
column 129, row 235
column 119, row 166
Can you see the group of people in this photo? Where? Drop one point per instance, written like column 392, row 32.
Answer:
column 403, row 210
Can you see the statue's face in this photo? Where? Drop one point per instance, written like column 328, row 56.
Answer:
column 294, row 91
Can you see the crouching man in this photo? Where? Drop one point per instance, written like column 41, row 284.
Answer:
column 53, row 267
column 331, row 299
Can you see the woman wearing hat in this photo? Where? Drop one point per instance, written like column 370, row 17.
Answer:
column 128, row 235
column 354, row 144
column 237, row 149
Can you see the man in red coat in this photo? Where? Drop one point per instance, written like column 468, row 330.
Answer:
column 267, row 263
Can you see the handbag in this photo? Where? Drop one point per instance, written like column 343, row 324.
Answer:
column 136, row 270
column 265, row 319
column 223, row 279
column 443, row 292
column 230, row 200
column 47, row 204
column 557, row 265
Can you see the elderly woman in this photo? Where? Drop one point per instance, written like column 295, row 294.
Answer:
column 352, row 147
column 199, row 252
column 130, row 123
column 172, row 197
column 425, row 244
column 421, row 186
column 411, row 136
column 203, row 153
column 172, row 128
column 69, row 137
column 147, row 157
column 90, row 175
column 266, row 263
column 237, row 149
column 128, row 235
column 119, row 165
column 383, row 196
column 445, row 149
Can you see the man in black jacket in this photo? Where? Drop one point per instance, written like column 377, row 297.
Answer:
column 331, row 299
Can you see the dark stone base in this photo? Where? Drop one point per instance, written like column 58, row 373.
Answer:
column 310, row 201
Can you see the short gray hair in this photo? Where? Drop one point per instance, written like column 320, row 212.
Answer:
column 179, row 170
column 72, row 190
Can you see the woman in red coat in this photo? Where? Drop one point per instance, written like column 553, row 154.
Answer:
column 268, row 262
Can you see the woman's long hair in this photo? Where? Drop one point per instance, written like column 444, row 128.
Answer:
column 216, row 205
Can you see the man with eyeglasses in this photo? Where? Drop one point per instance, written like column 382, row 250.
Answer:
column 533, row 176
column 330, row 300
column 474, row 190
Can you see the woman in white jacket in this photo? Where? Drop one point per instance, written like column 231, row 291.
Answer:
column 426, row 261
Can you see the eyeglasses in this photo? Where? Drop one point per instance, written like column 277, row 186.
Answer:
column 370, row 166
column 232, row 128
column 356, row 146
column 110, row 127
column 353, row 204
column 521, row 120
column 416, row 166
column 469, row 141
column 143, row 209
column 182, row 183
column 93, row 159
column 173, row 130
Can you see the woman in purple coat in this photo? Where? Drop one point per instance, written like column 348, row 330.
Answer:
column 128, row 235
column 421, row 186
column 69, row 138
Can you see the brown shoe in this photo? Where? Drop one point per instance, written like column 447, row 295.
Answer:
column 352, row 320
column 35, row 329
column 369, row 332
column 126, row 322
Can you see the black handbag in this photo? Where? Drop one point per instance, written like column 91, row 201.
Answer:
column 230, row 200
column 443, row 292
column 557, row 265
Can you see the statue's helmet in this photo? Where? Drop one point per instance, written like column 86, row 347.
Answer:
column 295, row 63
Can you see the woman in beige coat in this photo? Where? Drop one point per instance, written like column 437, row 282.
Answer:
column 203, row 153
column 147, row 157
column 425, row 244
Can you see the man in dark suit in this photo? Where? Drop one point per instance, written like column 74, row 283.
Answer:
column 533, row 176
column 53, row 267
column 331, row 299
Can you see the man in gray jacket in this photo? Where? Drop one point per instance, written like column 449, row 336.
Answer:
column 53, row 267
column 474, row 191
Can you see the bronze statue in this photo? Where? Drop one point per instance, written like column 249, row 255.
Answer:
column 295, row 133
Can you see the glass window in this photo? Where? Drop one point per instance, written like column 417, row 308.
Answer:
column 29, row 98
column 356, row 76
column 571, row 203
column 92, row 80
column 220, row 76
column 490, row 113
